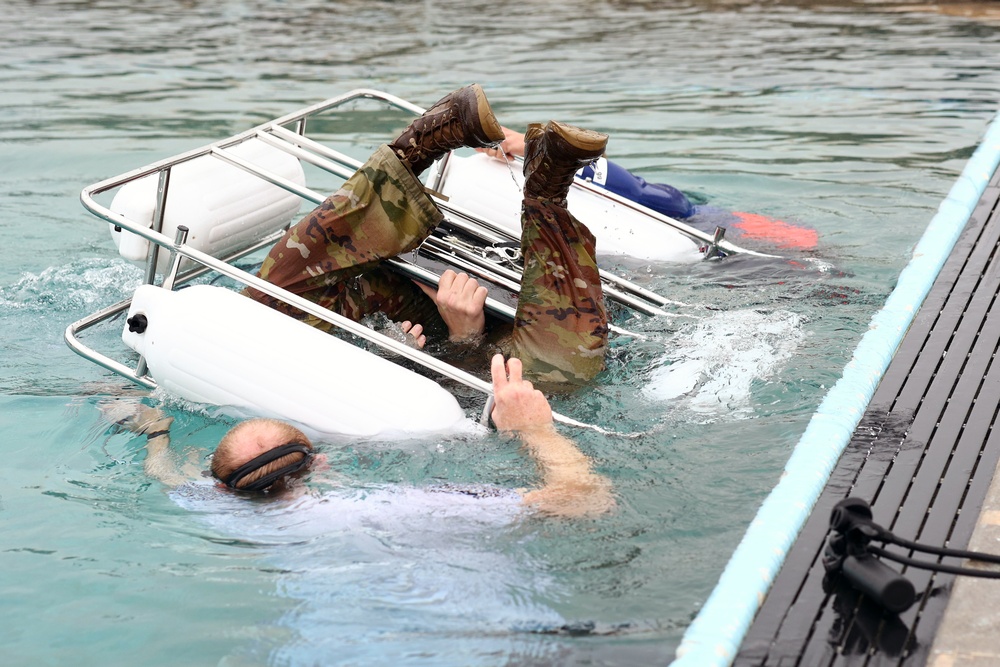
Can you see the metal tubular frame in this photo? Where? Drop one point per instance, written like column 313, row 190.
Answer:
column 276, row 134
column 466, row 221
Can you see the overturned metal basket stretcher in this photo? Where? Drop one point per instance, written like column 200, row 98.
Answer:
column 202, row 211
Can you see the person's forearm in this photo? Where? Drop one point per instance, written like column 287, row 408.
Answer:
column 557, row 455
column 158, row 463
column 570, row 486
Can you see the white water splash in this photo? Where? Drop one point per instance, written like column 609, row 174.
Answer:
column 77, row 285
column 714, row 365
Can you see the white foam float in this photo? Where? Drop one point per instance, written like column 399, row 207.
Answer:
column 210, row 345
column 490, row 189
column 224, row 207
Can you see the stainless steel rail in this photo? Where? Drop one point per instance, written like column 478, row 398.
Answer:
column 317, row 198
column 460, row 218
column 206, row 263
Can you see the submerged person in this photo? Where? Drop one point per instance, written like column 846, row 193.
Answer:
column 334, row 256
column 673, row 203
column 349, row 566
column 267, row 455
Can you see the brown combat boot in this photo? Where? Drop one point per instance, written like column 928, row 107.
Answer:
column 552, row 156
column 461, row 118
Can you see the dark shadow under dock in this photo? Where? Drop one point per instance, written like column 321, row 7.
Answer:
column 923, row 456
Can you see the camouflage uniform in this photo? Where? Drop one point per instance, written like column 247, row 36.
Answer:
column 560, row 328
column 333, row 257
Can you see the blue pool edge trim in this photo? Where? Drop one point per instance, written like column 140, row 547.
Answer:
column 715, row 635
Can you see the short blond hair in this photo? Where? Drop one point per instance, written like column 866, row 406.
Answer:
column 266, row 434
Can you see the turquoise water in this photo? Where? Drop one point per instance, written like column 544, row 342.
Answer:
column 852, row 119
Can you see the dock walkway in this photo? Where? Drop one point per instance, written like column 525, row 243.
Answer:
column 923, row 456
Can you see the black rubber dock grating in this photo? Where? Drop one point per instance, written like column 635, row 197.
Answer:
column 923, row 455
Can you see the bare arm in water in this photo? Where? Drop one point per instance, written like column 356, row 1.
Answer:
column 570, row 487
column 155, row 425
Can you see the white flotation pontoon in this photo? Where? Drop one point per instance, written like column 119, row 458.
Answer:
column 224, row 207
column 194, row 216
column 490, row 189
column 211, row 345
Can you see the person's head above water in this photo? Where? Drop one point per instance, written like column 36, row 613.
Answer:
column 262, row 454
column 259, row 453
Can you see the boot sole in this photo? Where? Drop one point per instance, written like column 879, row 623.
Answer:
column 490, row 132
column 587, row 142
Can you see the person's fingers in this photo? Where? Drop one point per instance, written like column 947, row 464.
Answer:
column 450, row 287
column 472, row 292
column 447, row 280
column 495, row 153
column 461, row 293
column 470, row 288
column 514, row 369
column 415, row 330
column 461, row 282
column 428, row 290
column 499, row 372
column 418, row 335
column 479, row 298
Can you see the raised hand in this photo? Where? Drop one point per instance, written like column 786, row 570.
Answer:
column 518, row 405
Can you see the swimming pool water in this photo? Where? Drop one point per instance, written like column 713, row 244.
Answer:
column 851, row 118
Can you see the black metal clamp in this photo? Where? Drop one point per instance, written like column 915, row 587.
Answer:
column 848, row 553
column 714, row 248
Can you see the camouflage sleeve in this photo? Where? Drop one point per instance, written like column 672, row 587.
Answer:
column 380, row 212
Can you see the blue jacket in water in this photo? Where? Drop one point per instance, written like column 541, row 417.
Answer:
column 660, row 197
column 671, row 202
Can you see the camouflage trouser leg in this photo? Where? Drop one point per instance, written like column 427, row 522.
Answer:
column 332, row 256
column 560, row 330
